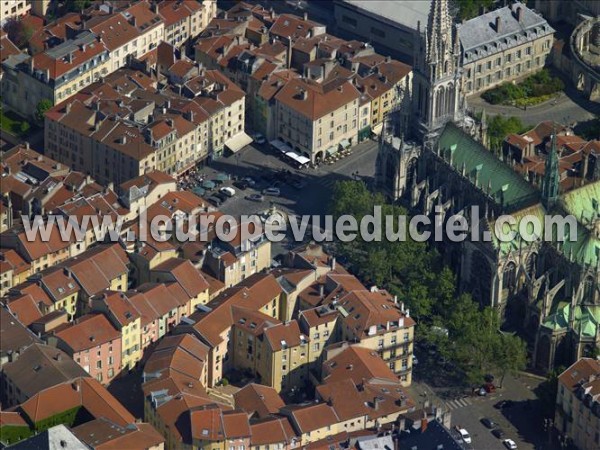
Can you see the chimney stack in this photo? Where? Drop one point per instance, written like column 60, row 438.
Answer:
column 305, row 16
column 424, row 422
column 497, row 24
column 519, row 13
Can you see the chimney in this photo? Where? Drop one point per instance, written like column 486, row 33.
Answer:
column 497, row 24
column 376, row 403
column 322, row 291
column 519, row 13
column 305, row 16
column 424, row 422
column 333, row 263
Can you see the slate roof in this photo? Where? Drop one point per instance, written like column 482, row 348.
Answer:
column 480, row 31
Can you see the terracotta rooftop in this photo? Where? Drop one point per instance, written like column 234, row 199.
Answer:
column 102, row 434
column 312, row 417
column 86, row 392
column 314, row 100
column 87, row 332
column 258, row 399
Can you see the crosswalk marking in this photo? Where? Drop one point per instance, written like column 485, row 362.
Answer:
column 458, row 403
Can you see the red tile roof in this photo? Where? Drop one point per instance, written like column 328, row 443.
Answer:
column 87, row 332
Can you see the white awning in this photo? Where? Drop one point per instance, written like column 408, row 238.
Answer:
column 377, row 129
column 238, row 142
column 303, row 159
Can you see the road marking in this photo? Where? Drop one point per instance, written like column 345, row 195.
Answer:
column 458, row 403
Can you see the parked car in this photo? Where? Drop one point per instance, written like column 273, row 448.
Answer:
column 250, row 181
column 498, row 432
column 241, row 185
column 221, row 196
column 464, row 434
column 489, row 423
column 214, row 200
column 481, row 392
column 255, row 197
column 259, row 138
column 510, row 444
column 228, row 191
column 273, row 191
column 503, row 404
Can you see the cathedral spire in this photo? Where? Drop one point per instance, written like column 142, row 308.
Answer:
column 551, row 180
column 440, row 41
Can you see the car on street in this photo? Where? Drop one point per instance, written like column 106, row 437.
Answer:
column 228, row 191
column 255, row 197
column 510, row 444
column 221, row 196
column 241, row 184
column 215, row 201
column 498, row 432
column 259, row 138
column 503, row 404
column 272, row 191
column 250, row 181
column 465, row 436
column 488, row 423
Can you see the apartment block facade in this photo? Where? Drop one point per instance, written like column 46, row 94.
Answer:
column 502, row 46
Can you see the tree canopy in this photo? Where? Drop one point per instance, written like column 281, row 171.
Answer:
column 42, row 107
column 413, row 271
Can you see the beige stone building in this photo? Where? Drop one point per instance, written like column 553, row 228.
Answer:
column 14, row 8
column 55, row 74
column 375, row 321
column 317, row 119
column 185, row 19
column 503, row 45
column 577, row 414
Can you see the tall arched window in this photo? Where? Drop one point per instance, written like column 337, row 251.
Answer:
column 509, row 276
column 588, row 290
column 532, row 265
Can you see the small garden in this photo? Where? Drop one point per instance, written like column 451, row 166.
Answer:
column 13, row 124
column 534, row 89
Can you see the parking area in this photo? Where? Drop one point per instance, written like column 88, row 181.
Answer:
column 302, row 191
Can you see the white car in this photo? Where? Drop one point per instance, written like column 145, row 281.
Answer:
column 228, row 191
column 510, row 444
column 464, row 434
column 273, row 191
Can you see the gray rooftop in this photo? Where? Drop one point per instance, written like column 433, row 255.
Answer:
column 70, row 46
column 481, row 29
column 404, row 12
column 40, row 367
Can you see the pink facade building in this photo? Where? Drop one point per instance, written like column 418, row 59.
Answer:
column 94, row 343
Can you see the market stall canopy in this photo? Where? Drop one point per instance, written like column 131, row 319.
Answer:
column 238, row 142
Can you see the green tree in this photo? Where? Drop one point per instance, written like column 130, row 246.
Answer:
column 42, row 107
column 499, row 127
column 18, row 32
column 77, row 5
column 512, row 356
column 467, row 9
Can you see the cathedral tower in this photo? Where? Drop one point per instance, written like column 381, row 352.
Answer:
column 437, row 78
